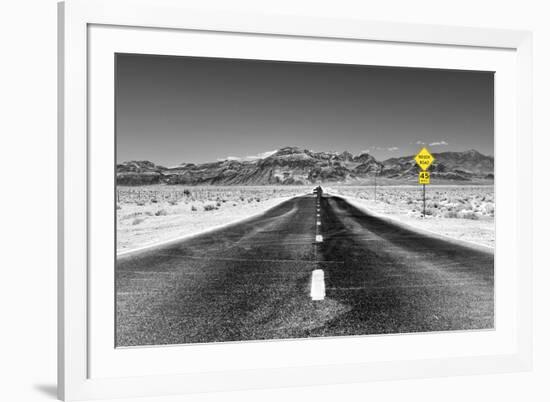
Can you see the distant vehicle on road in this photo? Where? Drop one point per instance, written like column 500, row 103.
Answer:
column 318, row 190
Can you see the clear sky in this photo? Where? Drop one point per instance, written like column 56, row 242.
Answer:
column 171, row 110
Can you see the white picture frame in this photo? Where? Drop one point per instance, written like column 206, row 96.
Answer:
column 77, row 348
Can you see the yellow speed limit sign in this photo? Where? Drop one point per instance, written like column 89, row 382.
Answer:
column 424, row 178
column 424, row 159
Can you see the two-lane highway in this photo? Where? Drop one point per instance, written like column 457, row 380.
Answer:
column 253, row 280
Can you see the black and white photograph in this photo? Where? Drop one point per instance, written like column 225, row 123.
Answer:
column 271, row 200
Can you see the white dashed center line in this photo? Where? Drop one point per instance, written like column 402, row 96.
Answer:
column 318, row 285
column 317, row 275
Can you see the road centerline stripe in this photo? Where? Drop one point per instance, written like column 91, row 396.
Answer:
column 317, row 285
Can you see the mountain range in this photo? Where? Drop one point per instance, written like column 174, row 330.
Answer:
column 299, row 166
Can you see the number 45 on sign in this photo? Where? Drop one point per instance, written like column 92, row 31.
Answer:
column 424, row 178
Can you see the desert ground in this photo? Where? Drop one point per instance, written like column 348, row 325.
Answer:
column 151, row 214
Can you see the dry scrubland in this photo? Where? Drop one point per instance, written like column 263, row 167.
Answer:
column 462, row 212
column 151, row 214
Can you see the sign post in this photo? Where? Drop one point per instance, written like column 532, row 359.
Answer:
column 424, row 159
column 374, row 186
column 377, row 171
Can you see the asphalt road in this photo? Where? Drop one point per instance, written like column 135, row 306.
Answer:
column 253, row 280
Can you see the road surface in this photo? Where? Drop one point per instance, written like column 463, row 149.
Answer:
column 253, row 280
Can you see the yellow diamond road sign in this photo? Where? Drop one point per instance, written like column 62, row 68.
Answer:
column 424, row 159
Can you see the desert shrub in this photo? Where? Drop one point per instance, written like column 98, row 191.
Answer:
column 490, row 209
column 451, row 214
column 218, row 204
column 193, row 208
column 469, row 215
column 161, row 212
column 210, row 207
column 132, row 215
column 186, row 192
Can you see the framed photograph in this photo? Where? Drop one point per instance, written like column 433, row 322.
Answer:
column 251, row 201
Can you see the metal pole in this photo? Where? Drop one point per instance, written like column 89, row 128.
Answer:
column 424, row 199
column 375, row 186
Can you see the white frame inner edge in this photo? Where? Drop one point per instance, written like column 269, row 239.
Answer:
column 89, row 367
